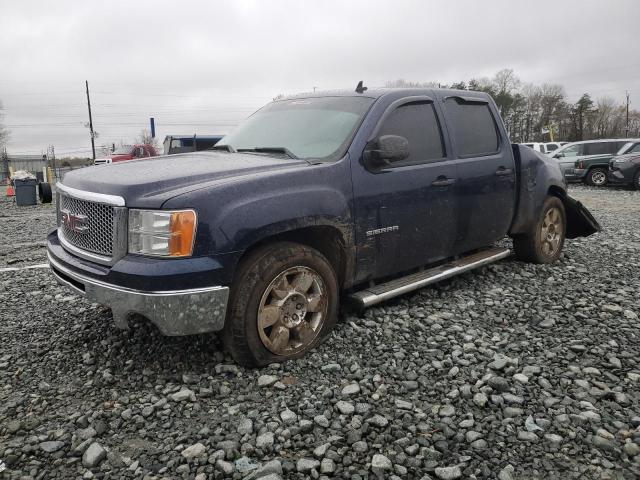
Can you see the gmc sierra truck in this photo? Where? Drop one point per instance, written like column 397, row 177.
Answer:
column 356, row 196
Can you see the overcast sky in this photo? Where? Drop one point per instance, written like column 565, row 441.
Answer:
column 203, row 66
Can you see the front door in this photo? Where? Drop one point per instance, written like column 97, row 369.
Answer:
column 404, row 212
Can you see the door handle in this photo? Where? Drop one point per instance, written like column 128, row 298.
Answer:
column 502, row 172
column 443, row 182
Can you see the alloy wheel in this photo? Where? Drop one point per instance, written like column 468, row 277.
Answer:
column 292, row 311
column 551, row 232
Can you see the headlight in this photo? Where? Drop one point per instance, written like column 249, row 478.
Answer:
column 162, row 233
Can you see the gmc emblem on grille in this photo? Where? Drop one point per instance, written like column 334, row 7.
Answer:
column 75, row 223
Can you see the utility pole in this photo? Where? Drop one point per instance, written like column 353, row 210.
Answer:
column 93, row 144
column 627, row 127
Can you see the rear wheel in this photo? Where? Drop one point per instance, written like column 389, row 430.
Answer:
column 544, row 242
column 636, row 180
column 597, row 177
column 283, row 302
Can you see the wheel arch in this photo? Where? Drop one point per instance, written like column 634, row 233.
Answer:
column 580, row 222
column 330, row 241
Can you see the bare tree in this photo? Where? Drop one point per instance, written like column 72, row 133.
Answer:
column 527, row 110
column 4, row 133
column 145, row 138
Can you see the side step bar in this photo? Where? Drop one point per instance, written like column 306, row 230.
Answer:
column 384, row 291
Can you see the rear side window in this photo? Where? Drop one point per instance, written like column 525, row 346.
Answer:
column 473, row 127
column 551, row 147
column 601, row 148
column 417, row 122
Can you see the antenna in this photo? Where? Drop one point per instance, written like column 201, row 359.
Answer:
column 360, row 88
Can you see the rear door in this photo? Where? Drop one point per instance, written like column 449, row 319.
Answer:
column 485, row 188
column 404, row 211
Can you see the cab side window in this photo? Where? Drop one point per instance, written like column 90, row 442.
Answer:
column 473, row 128
column 573, row 151
column 417, row 122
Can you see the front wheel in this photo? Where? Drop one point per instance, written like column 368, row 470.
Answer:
column 545, row 239
column 284, row 300
column 597, row 177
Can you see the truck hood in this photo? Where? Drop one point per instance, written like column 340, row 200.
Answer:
column 151, row 181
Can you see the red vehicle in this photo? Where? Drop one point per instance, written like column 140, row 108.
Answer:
column 128, row 152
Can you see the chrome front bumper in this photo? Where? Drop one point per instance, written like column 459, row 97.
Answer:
column 178, row 312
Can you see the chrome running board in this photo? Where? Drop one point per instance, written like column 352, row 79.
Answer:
column 384, row 291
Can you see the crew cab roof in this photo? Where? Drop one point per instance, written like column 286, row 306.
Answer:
column 392, row 92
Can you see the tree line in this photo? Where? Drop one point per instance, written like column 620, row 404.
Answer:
column 530, row 111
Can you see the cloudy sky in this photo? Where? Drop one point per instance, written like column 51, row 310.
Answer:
column 202, row 66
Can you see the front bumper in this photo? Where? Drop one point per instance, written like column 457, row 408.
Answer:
column 174, row 312
column 618, row 176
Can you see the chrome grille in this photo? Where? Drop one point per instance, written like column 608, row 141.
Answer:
column 99, row 236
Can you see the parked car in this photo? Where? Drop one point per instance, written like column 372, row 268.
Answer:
column 545, row 148
column 127, row 152
column 364, row 195
column 189, row 143
column 624, row 168
column 594, row 170
column 595, row 155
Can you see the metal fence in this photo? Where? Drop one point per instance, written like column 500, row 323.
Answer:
column 34, row 164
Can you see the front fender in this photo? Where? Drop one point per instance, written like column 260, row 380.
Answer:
column 538, row 177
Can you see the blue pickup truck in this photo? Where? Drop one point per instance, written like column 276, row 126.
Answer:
column 316, row 199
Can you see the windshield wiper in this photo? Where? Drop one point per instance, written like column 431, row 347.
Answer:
column 226, row 148
column 283, row 150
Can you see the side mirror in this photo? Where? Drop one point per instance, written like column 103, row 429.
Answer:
column 386, row 150
column 558, row 155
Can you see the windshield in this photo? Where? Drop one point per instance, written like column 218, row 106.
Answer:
column 317, row 127
column 124, row 150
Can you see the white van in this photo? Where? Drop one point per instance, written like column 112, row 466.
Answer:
column 547, row 148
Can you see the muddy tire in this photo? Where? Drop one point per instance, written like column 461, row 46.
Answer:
column 596, row 177
column 284, row 300
column 544, row 242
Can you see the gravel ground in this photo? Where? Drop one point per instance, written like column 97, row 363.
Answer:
column 515, row 371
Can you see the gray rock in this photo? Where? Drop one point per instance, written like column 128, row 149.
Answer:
column 380, row 465
column 245, row 426
column 51, row 447
column 288, row 417
column 321, row 420
column 525, row 436
column 378, row 421
column 327, row 466
column 446, row 411
column 193, row 451
column 500, row 384
column 320, row 450
column 267, row 380
column 346, row 408
column 93, row 455
column 351, row 389
column 448, row 473
column 304, row 465
column 183, row 395
column 265, row 440
column 480, row 399
column 507, row 473
column 225, row 467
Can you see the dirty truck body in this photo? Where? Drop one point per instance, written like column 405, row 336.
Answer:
column 388, row 191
